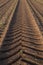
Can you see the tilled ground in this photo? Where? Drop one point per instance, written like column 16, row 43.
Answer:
column 23, row 43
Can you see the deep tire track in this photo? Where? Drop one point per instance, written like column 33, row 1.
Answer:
column 23, row 43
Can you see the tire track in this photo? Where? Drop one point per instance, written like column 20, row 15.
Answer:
column 7, row 17
column 37, row 16
column 39, row 9
column 23, row 43
column 10, row 52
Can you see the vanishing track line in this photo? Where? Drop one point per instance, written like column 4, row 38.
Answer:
column 37, row 16
column 23, row 44
column 5, row 20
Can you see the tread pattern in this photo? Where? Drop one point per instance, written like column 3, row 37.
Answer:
column 23, row 44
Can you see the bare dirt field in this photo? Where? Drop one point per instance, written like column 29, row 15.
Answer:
column 21, row 32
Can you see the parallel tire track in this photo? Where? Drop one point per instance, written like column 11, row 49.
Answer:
column 10, row 52
column 6, row 20
column 39, row 21
column 23, row 44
